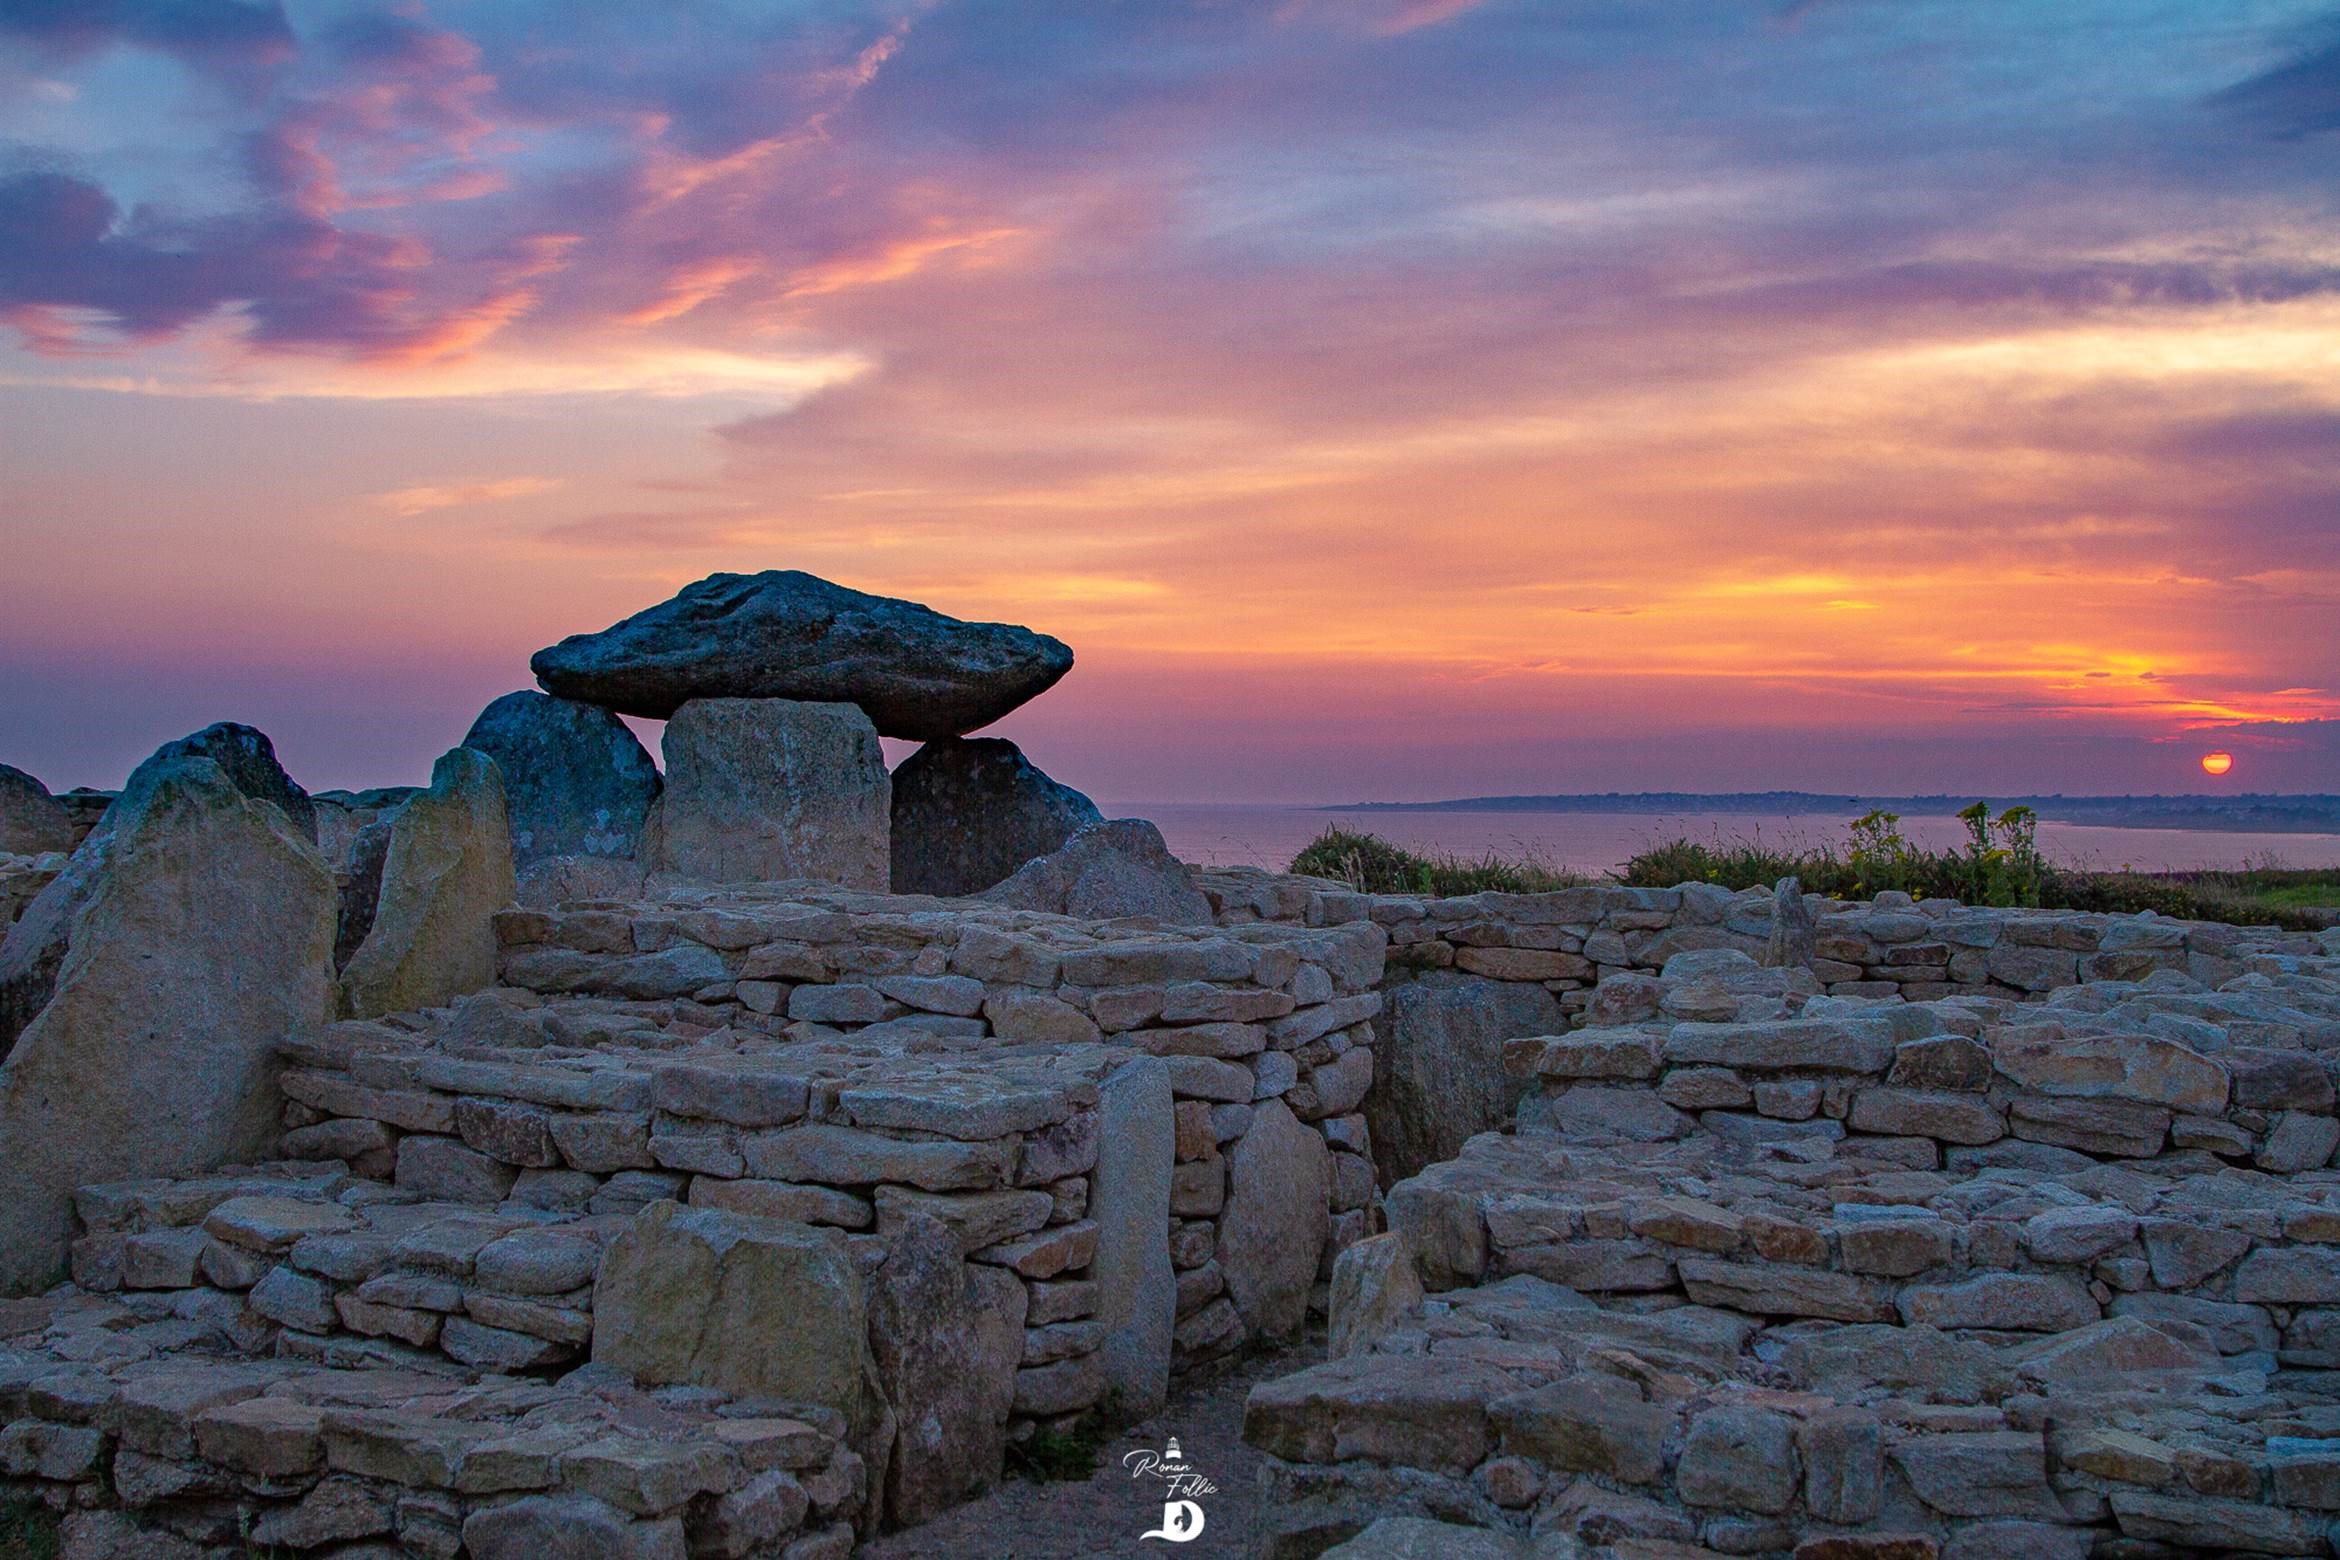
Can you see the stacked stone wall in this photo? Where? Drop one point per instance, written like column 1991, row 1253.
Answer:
column 1570, row 940
column 1973, row 1277
column 127, row 1421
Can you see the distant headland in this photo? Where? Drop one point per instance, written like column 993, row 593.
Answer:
column 2255, row 812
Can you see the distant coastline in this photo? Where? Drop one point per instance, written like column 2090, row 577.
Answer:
column 2258, row 812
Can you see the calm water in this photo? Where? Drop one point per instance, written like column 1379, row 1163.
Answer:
column 1596, row 842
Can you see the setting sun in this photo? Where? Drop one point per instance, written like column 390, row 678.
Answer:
column 2217, row 763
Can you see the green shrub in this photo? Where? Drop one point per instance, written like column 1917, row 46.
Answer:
column 28, row 1532
column 1057, row 1456
column 1372, row 865
column 2000, row 865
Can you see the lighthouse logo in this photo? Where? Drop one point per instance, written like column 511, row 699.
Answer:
column 1182, row 1492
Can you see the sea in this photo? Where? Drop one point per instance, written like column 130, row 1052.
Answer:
column 1589, row 842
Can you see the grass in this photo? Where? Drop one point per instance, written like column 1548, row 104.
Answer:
column 28, row 1532
column 1372, row 865
column 1057, row 1456
column 2302, row 899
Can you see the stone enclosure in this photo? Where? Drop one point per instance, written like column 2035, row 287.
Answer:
column 572, row 1157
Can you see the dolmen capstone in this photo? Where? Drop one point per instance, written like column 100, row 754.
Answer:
column 776, row 688
column 784, row 634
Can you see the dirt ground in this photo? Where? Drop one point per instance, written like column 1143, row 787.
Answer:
column 1104, row 1515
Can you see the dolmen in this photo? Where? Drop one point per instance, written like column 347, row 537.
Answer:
column 776, row 688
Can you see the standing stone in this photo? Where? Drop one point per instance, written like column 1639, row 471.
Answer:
column 763, row 789
column 784, row 634
column 969, row 811
column 947, row 1335
column 32, row 822
column 448, row 869
column 203, row 936
column 577, row 781
column 1438, row 1053
column 248, row 758
column 35, row 946
column 749, row 1306
column 1793, row 943
column 1129, row 1201
column 1276, row 1219
column 1106, row 871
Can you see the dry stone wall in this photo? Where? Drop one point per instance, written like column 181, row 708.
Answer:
column 1038, row 1164
column 135, row 1419
column 1969, row 1277
column 1572, row 939
column 1468, row 973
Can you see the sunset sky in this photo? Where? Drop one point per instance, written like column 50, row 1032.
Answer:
column 1385, row 398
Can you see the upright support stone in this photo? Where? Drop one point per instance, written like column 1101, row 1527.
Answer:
column 577, row 781
column 947, row 1335
column 448, row 870
column 203, row 936
column 1272, row 1234
column 1438, row 1054
column 969, row 811
column 764, row 789
column 1129, row 1199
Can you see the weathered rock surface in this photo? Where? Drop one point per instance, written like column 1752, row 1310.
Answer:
column 1273, row 1230
column 1438, row 1046
column 1130, row 1202
column 361, row 888
column 577, row 782
column 35, row 946
column 749, row 1306
column 201, row 935
column 969, row 811
column 1794, row 940
column 1421, row 1538
column 248, row 759
column 32, row 822
column 550, row 881
column 947, row 1335
column 1108, row 870
column 1375, row 1285
column 783, row 634
column 447, row 871
column 764, row 789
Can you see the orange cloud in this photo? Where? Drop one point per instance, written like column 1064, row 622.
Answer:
column 892, row 261
column 410, row 501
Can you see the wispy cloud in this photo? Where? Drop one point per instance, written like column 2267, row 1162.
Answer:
column 410, row 501
column 1460, row 369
